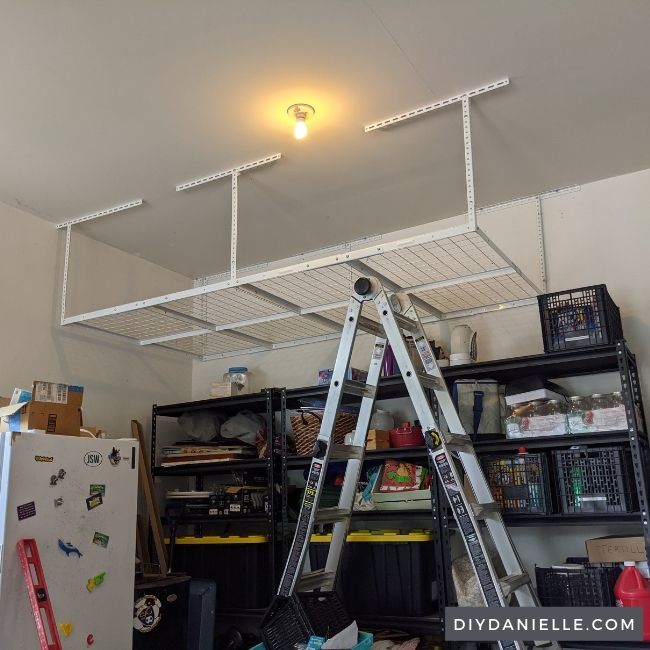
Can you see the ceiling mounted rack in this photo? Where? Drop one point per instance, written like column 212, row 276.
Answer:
column 451, row 272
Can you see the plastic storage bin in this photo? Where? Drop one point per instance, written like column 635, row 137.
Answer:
column 579, row 318
column 383, row 572
column 596, row 479
column 238, row 564
column 519, row 482
column 577, row 585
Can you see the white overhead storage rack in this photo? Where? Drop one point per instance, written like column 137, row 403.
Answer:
column 450, row 272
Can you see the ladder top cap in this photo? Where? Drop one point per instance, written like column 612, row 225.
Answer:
column 363, row 286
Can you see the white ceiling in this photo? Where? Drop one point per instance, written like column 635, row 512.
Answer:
column 104, row 102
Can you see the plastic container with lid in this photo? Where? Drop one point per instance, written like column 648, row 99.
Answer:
column 633, row 590
column 240, row 377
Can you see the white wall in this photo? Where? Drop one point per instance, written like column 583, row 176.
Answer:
column 121, row 381
column 600, row 234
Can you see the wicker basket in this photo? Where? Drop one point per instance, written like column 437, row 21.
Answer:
column 306, row 426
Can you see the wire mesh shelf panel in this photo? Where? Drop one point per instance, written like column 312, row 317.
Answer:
column 206, row 344
column 141, row 324
column 444, row 259
column 311, row 288
column 595, row 480
column 479, row 293
column 288, row 329
column 226, row 306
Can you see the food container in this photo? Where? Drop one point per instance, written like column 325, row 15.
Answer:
column 406, row 436
column 240, row 378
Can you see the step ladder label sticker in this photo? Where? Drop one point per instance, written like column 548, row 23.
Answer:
column 302, row 531
column 468, row 530
column 378, row 352
column 425, row 351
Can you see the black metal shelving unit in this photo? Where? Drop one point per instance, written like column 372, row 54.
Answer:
column 586, row 361
column 265, row 403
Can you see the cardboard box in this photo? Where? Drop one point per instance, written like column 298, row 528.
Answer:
column 379, row 435
column 616, row 549
column 377, row 444
column 53, row 408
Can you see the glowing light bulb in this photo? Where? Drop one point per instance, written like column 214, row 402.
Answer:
column 300, row 128
column 300, row 113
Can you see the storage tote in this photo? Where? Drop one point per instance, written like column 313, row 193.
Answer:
column 579, row 318
column 238, row 564
column 595, row 479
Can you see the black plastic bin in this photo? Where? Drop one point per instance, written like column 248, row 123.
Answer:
column 579, row 318
column 577, row 585
column 238, row 564
column 383, row 572
column 595, row 479
column 519, row 482
column 160, row 610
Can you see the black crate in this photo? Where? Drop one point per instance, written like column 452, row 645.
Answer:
column 586, row 585
column 519, row 482
column 293, row 620
column 579, row 318
column 382, row 576
column 595, row 480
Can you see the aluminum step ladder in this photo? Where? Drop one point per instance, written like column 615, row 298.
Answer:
column 452, row 455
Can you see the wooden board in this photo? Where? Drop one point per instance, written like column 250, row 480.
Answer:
column 150, row 498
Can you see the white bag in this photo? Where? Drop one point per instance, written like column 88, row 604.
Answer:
column 244, row 426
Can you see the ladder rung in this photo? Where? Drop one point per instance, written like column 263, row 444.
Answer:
column 346, row 452
column 458, row 442
column 406, row 323
column 359, row 388
column 484, row 510
column 428, row 381
column 368, row 325
column 331, row 515
column 513, row 582
column 319, row 579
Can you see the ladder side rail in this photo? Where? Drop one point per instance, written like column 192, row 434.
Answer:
column 353, row 469
column 512, row 563
column 452, row 482
column 496, row 526
column 318, row 468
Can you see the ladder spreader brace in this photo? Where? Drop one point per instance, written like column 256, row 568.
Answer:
column 292, row 615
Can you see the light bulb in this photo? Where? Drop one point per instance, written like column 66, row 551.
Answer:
column 300, row 128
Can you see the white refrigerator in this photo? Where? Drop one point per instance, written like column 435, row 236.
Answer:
column 77, row 497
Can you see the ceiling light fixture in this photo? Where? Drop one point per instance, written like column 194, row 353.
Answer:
column 300, row 112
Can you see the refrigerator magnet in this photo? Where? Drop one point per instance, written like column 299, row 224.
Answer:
column 26, row 510
column 115, row 457
column 98, row 488
column 100, row 539
column 94, row 500
column 69, row 549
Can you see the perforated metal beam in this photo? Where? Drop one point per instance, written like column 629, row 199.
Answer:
column 101, row 213
column 228, row 172
column 417, row 112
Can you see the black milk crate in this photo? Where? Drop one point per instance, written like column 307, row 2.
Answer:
column 293, row 620
column 595, row 479
column 577, row 585
column 579, row 318
column 519, row 482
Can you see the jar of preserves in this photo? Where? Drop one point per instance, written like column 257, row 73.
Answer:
column 609, row 412
column 576, row 414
